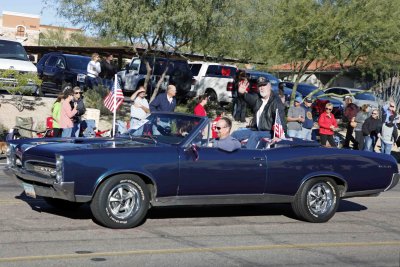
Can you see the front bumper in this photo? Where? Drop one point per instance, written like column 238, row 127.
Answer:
column 43, row 186
column 394, row 182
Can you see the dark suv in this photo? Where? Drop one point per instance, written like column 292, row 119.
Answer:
column 58, row 70
column 178, row 73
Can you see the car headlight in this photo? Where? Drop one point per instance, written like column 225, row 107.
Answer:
column 10, row 155
column 59, row 168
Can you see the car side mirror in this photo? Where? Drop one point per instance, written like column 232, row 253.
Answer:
column 31, row 58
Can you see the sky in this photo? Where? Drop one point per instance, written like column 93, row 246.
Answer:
column 48, row 14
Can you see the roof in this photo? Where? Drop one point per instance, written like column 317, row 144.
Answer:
column 316, row 65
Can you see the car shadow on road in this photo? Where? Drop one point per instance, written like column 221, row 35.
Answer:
column 238, row 210
column 40, row 205
column 346, row 205
column 84, row 213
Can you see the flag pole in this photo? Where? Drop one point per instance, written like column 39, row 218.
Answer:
column 114, row 104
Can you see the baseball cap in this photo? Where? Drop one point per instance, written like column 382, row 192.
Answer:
column 308, row 100
column 262, row 81
column 298, row 99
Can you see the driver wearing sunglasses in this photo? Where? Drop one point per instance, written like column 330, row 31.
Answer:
column 225, row 141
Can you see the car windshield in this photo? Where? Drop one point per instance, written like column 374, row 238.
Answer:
column 12, row 50
column 364, row 96
column 161, row 63
column 195, row 68
column 165, row 128
column 78, row 63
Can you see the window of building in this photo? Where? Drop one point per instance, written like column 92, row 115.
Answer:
column 20, row 31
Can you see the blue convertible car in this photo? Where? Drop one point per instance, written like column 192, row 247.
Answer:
column 169, row 160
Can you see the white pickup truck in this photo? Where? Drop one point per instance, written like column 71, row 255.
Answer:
column 13, row 56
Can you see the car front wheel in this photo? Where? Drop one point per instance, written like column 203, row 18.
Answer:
column 317, row 200
column 121, row 202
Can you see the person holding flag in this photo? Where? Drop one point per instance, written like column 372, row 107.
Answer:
column 114, row 100
column 269, row 117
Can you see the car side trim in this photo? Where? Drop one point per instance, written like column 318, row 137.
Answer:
column 221, row 199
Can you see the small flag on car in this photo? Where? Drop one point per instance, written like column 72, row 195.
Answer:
column 278, row 128
column 111, row 98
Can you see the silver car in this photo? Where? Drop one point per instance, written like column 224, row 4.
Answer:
column 359, row 97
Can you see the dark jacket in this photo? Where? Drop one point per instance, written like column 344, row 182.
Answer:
column 81, row 109
column 267, row 118
column 371, row 127
column 350, row 111
column 161, row 103
column 107, row 70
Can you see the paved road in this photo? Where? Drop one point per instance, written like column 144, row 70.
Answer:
column 364, row 232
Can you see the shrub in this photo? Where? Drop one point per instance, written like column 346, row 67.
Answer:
column 17, row 82
column 94, row 99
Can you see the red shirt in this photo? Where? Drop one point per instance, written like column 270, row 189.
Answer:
column 213, row 125
column 325, row 123
column 200, row 111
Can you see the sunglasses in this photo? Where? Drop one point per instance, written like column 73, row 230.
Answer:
column 391, row 106
column 219, row 128
column 328, row 109
column 374, row 113
column 78, row 93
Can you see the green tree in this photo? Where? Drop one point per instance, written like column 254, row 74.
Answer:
column 158, row 25
column 353, row 33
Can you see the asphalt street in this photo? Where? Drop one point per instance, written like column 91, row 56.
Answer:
column 364, row 232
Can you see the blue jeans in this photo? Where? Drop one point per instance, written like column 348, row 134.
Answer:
column 307, row 134
column 386, row 147
column 252, row 136
column 66, row 132
column 108, row 83
column 369, row 143
column 76, row 129
column 92, row 82
column 295, row 133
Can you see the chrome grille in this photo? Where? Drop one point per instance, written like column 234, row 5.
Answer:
column 41, row 168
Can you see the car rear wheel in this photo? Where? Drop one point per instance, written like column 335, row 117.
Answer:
column 121, row 202
column 62, row 204
column 212, row 96
column 317, row 200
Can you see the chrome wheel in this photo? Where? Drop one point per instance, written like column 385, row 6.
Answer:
column 320, row 199
column 124, row 200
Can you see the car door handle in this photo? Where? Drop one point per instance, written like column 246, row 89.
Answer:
column 258, row 158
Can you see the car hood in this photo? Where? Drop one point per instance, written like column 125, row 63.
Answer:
column 47, row 148
column 18, row 65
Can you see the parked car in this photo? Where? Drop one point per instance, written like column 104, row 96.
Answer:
column 305, row 89
column 58, row 70
column 178, row 74
column 13, row 56
column 359, row 97
column 213, row 79
column 156, row 164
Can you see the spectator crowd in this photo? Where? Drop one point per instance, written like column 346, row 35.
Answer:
column 364, row 125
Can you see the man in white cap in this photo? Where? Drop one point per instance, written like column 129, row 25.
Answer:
column 295, row 119
column 139, row 107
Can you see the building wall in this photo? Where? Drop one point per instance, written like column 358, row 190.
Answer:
column 29, row 26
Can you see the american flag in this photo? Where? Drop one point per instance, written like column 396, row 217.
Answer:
column 278, row 128
column 109, row 100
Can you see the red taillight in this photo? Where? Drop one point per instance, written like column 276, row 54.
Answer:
column 229, row 86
